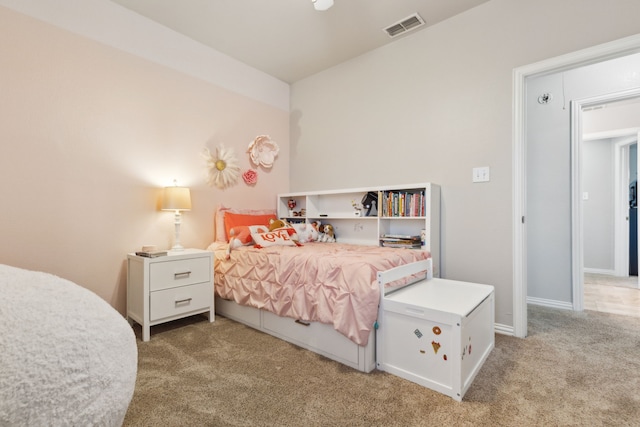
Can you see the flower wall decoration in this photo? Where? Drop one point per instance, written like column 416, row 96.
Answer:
column 263, row 151
column 223, row 169
column 250, row 176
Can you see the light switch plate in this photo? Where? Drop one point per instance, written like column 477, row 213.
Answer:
column 481, row 174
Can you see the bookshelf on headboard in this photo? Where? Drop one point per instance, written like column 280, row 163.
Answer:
column 401, row 210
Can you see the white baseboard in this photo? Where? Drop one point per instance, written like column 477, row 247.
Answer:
column 503, row 329
column 550, row 303
column 600, row 271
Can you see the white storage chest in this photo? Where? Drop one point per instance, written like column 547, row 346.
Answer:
column 436, row 333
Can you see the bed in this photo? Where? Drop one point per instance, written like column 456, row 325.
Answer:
column 320, row 296
column 67, row 357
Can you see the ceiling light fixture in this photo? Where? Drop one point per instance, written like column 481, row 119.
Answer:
column 322, row 4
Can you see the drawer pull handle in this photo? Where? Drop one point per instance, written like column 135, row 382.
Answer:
column 184, row 301
column 300, row 322
column 181, row 275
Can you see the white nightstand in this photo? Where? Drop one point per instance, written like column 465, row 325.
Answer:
column 169, row 287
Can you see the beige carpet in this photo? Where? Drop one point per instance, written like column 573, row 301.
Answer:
column 574, row 369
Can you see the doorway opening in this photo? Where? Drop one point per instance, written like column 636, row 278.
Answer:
column 609, row 159
column 601, row 53
column 618, row 243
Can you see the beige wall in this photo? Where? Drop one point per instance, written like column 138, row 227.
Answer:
column 89, row 135
column 437, row 103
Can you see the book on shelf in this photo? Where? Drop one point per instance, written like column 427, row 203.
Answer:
column 400, row 241
column 151, row 254
column 399, row 237
column 407, row 244
column 403, row 203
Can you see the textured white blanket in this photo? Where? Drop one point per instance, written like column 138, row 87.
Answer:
column 66, row 356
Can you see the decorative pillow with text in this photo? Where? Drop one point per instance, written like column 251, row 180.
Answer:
column 277, row 237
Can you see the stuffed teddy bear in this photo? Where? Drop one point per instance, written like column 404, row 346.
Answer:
column 279, row 224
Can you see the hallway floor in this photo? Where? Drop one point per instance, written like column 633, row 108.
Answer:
column 610, row 294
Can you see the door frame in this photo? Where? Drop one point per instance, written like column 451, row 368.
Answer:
column 577, row 248
column 599, row 53
column 624, row 139
column 622, row 181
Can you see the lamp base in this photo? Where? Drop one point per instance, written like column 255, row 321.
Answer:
column 176, row 243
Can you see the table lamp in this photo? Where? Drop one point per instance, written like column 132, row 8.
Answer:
column 176, row 199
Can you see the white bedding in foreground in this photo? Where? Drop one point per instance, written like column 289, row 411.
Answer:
column 66, row 356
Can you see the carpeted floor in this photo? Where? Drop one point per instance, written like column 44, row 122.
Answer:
column 574, row 369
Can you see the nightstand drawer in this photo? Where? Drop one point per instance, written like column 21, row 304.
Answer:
column 176, row 301
column 171, row 274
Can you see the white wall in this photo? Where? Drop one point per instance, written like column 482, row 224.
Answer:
column 598, row 208
column 437, row 103
column 89, row 135
column 113, row 25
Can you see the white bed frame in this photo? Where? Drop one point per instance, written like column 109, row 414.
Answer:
column 318, row 337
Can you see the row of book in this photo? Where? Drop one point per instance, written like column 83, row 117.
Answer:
column 400, row 241
column 403, row 203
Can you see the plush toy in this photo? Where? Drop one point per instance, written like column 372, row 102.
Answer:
column 306, row 232
column 327, row 234
column 241, row 236
column 279, row 224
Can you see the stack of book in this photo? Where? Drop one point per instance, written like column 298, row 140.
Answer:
column 151, row 254
column 400, row 241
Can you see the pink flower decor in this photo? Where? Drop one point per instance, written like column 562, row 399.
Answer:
column 250, row 177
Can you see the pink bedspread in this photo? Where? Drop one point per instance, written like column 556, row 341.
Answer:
column 331, row 283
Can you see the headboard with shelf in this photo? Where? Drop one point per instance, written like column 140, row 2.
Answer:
column 411, row 210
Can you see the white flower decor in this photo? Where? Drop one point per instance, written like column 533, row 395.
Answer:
column 223, row 169
column 263, row 151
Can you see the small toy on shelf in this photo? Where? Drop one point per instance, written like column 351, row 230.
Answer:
column 291, row 204
column 357, row 208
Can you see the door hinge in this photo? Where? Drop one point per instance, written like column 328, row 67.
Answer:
column 523, row 219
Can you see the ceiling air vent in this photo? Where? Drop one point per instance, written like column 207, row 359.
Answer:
column 409, row 23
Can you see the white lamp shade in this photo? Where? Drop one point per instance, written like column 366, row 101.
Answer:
column 176, row 199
